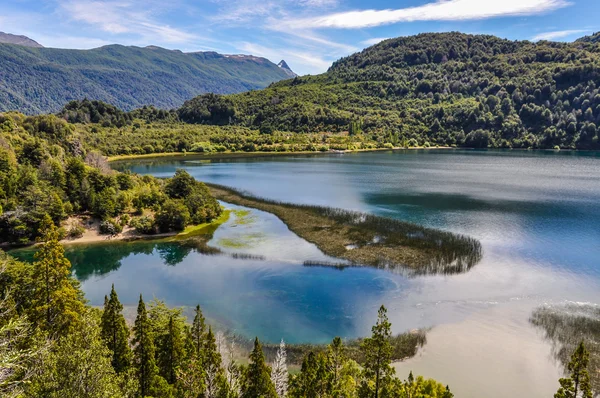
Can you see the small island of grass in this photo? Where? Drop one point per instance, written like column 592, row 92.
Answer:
column 365, row 239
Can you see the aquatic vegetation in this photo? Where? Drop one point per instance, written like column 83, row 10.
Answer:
column 243, row 217
column 206, row 228
column 375, row 241
column 568, row 325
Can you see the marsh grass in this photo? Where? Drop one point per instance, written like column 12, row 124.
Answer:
column 565, row 327
column 404, row 345
column 376, row 241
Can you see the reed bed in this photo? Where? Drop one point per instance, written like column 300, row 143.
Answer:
column 365, row 239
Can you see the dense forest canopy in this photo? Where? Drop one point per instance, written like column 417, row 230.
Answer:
column 46, row 172
column 42, row 80
column 441, row 88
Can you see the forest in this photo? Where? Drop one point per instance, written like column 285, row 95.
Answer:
column 47, row 174
column 442, row 89
column 53, row 344
column 437, row 89
column 42, row 80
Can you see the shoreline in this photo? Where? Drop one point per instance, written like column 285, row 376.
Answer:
column 258, row 154
column 93, row 236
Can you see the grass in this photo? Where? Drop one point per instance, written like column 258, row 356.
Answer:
column 375, row 241
column 404, row 346
column 565, row 326
column 206, row 228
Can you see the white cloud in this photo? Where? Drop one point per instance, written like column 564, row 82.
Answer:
column 118, row 17
column 441, row 10
column 292, row 56
column 558, row 34
column 375, row 40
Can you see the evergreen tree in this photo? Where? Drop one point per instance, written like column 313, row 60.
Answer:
column 279, row 373
column 170, row 352
column 211, row 359
column 198, row 331
column 115, row 332
column 579, row 382
column 78, row 365
column 337, row 358
column 377, row 350
column 257, row 381
column 144, row 350
column 57, row 303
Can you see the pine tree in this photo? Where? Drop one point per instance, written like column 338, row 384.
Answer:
column 212, row 366
column 198, row 331
column 579, row 382
column 257, row 381
column 279, row 373
column 313, row 379
column 377, row 350
column 336, row 360
column 115, row 332
column 144, row 350
column 170, row 352
column 57, row 305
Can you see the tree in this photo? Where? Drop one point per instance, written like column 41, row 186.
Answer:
column 16, row 355
column 279, row 373
column 173, row 216
column 212, row 366
column 257, row 381
column 115, row 332
column 377, row 350
column 78, row 365
column 198, row 332
column 578, row 384
column 170, row 351
column 144, row 351
column 313, row 380
column 57, row 303
column 181, row 185
column 190, row 379
column 336, row 360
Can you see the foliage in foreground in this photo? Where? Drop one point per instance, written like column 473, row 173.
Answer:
column 79, row 351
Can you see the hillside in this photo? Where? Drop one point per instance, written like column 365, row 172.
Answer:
column 446, row 89
column 595, row 38
column 18, row 39
column 42, row 80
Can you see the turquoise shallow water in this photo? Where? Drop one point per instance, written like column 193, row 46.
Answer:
column 537, row 215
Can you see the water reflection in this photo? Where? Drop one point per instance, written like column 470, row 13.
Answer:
column 565, row 326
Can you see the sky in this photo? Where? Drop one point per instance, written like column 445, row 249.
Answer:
column 308, row 34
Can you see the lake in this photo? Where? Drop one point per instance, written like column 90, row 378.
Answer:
column 537, row 215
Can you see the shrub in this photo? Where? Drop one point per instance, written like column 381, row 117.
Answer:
column 75, row 231
column 110, row 227
column 143, row 225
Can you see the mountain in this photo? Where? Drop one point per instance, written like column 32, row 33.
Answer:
column 440, row 89
column 20, row 40
column 285, row 67
column 42, row 80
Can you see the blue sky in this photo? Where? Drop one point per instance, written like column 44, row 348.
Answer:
column 308, row 34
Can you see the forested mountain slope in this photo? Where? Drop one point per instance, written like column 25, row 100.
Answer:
column 446, row 89
column 43, row 80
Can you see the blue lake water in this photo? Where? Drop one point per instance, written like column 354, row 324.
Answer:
column 537, row 215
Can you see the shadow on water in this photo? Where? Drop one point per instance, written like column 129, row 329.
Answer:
column 462, row 202
column 99, row 259
column 565, row 327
